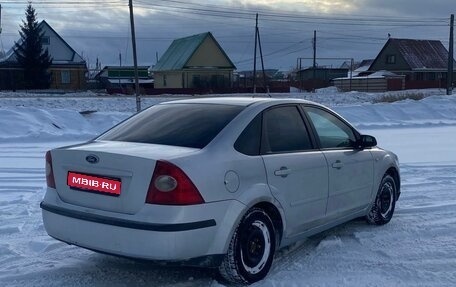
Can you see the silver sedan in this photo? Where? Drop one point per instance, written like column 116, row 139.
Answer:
column 217, row 182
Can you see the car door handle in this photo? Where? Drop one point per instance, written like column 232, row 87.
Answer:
column 338, row 164
column 283, row 171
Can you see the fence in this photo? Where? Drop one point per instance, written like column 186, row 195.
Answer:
column 366, row 84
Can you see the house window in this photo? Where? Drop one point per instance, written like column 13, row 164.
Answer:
column 196, row 81
column 45, row 40
column 391, row 59
column 65, row 77
column 164, row 80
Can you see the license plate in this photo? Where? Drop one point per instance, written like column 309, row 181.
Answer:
column 94, row 183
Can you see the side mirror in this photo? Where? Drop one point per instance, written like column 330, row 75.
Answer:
column 367, row 141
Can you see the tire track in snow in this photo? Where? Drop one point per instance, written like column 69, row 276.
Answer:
column 416, row 248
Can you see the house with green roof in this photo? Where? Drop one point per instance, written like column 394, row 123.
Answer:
column 195, row 62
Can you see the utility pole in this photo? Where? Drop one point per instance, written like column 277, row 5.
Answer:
column 266, row 87
column 135, row 59
column 315, row 49
column 351, row 72
column 257, row 31
column 0, row 18
column 314, row 60
column 120, row 71
column 254, row 55
column 1, row 42
column 450, row 58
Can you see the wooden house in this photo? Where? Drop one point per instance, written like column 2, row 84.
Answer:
column 195, row 63
column 121, row 79
column 68, row 69
column 423, row 62
column 319, row 77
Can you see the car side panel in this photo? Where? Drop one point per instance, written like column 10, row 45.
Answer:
column 351, row 178
column 383, row 160
column 303, row 192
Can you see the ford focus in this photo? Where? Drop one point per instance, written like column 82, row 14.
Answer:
column 217, row 182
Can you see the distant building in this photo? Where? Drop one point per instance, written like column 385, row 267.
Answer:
column 68, row 69
column 277, row 81
column 380, row 81
column 357, row 66
column 362, row 68
column 319, row 77
column 424, row 63
column 196, row 62
column 121, row 79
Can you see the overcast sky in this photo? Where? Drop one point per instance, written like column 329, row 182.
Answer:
column 345, row 28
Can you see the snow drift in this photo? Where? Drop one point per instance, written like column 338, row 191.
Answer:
column 416, row 248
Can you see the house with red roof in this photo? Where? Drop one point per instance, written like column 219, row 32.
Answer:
column 424, row 63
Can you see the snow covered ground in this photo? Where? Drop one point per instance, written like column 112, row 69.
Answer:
column 417, row 248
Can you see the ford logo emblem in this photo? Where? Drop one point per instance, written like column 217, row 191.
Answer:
column 92, row 158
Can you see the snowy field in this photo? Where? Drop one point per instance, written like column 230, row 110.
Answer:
column 417, row 248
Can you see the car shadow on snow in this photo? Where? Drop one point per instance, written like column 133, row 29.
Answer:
column 111, row 270
column 131, row 272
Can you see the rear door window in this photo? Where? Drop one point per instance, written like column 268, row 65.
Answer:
column 284, row 131
column 249, row 141
column 187, row 125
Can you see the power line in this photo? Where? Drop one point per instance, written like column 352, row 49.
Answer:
column 267, row 15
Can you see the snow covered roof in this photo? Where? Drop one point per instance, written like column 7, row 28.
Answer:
column 377, row 75
column 130, row 81
column 363, row 67
column 383, row 73
column 58, row 48
column 8, row 56
column 365, row 64
column 420, row 54
column 423, row 53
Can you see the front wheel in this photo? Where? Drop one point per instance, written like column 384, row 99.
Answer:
column 382, row 209
column 251, row 249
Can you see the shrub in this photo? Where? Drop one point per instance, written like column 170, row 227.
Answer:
column 390, row 98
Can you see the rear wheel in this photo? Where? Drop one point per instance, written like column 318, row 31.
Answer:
column 383, row 207
column 251, row 249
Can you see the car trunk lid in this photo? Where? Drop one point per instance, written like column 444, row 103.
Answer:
column 108, row 175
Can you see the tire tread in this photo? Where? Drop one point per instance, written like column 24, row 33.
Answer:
column 374, row 216
column 229, row 269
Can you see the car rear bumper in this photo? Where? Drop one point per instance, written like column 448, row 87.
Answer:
column 131, row 224
column 180, row 234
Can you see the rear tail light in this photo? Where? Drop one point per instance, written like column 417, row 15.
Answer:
column 171, row 186
column 49, row 171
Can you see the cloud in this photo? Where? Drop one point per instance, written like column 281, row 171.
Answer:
column 103, row 30
column 317, row 6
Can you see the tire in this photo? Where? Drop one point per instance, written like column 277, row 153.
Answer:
column 251, row 249
column 382, row 208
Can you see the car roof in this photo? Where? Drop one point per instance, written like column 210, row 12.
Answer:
column 238, row 101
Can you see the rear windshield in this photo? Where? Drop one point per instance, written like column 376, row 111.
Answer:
column 187, row 125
